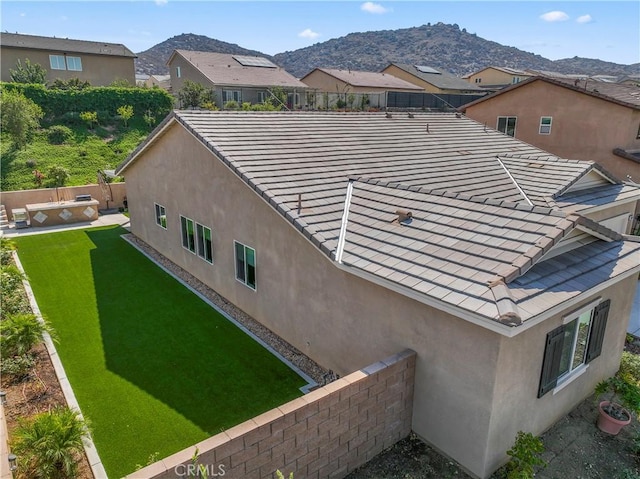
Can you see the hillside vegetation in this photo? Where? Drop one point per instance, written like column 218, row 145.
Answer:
column 82, row 155
column 439, row 45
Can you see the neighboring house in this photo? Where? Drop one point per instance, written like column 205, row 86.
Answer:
column 493, row 78
column 160, row 81
column 630, row 80
column 352, row 81
column 98, row 63
column 238, row 78
column 586, row 120
column 355, row 235
column 432, row 80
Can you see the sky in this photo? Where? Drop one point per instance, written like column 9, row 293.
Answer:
column 607, row 30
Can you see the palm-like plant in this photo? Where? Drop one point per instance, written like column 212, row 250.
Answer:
column 21, row 332
column 49, row 444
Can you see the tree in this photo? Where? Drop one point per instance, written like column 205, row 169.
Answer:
column 28, row 73
column 121, row 83
column 195, row 95
column 50, row 444
column 19, row 116
column 125, row 112
column 90, row 117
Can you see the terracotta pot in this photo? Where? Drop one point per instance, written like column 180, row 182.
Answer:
column 609, row 424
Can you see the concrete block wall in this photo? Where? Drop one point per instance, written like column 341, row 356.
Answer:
column 327, row 433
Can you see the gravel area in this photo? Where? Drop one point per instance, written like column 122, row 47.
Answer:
column 312, row 369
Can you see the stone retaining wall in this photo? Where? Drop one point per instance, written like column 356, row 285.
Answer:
column 327, row 433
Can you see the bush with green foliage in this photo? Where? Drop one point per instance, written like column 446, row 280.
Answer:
column 70, row 84
column 19, row 116
column 525, row 456
column 7, row 247
column 56, row 102
column 89, row 117
column 59, row 134
column 19, row 333
column 231, row 105
column 195, row 95
column 125, row 112
column 10, row 278
column 18, row 367
column 49, row 444
column 57, row 175
column 28, row 73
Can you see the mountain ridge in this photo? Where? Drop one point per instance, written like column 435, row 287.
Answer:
column 440, row 45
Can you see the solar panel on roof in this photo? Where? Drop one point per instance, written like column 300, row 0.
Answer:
column 254, row 61
column 425, row 69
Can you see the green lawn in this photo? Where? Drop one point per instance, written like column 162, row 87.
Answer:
column 154, row 368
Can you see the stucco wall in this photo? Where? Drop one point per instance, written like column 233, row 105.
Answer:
column 327, row 83
column 326, row 433
column 340, row 320
column 516, row 405
column 491, row 76
column 583, row 127
column 99, row 70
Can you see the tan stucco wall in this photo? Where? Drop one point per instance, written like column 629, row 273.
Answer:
column 516, row 406
column 491, row 76
column 187, row 72
column 99, row 70
column 341, row 321
column 583, row 127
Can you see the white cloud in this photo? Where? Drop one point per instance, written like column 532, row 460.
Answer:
column 161, row 2
column 371, row 7
column 584, row 19
column 555, row 16
column 308, row 33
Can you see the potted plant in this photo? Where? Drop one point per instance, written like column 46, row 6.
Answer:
column 624, row 387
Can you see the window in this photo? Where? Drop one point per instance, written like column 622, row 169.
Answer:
column 507, row 125
column 74, row 64
column 188, row 236
column 545, row 125
column 573, row 345
column 161, row 216
column 178, row 73
column 245, row 264
column 231, row 95
column 57, row 62
column 262, row 96
column 478, row 80
column 515, row 80
column 205, row 249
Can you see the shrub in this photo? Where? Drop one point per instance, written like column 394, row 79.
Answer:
column 525, row 456
column 49, row 444
column 59, row 134
column 10, row 278
column 90, row 117
column 18, row 367
column 7, row 246
column 21, row 332
column 57, row 175
column 630, row 367
column 231, row 105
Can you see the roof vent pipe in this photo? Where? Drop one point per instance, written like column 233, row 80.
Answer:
column 404, row 216
column 427, row 127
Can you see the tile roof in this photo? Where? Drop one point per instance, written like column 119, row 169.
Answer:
column 224, row 69
column 17, row 40
column 472, row 235
column 443, row 79
column 368, row 79
column 621, row 93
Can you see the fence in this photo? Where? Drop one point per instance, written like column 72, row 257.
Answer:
column 327, row 433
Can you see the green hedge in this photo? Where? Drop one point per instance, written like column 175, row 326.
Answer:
column 56, row 103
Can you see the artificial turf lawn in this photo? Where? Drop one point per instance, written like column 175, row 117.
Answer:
column 154, row 368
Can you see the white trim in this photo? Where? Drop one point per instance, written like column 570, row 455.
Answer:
column 590, row 231
column 602, row 207
column 151, row 142
column 566, row 319
column 158, row 216
column 569, row 378
column 204, row 256
column 524, row 195
column 345, row 220
column 506, row 125
column 541, row 125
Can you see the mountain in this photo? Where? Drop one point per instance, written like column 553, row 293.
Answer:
column 154, row 60
column 439, row 45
